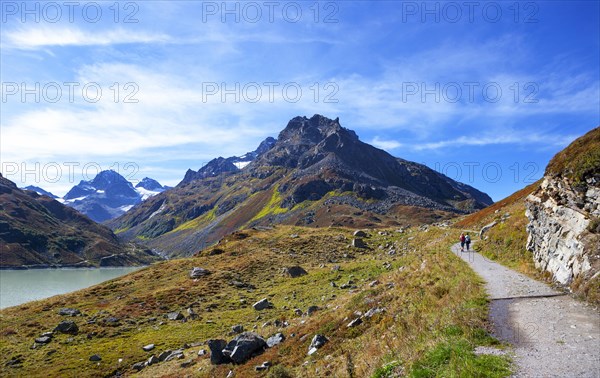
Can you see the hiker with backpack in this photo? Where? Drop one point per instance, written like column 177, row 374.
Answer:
column 468, row 241
column 462, row 242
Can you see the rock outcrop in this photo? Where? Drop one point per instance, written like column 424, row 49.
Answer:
column 564, row 213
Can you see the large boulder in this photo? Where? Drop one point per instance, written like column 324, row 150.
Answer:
column 244, row 347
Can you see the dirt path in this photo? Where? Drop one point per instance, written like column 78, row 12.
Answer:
column 553, row 334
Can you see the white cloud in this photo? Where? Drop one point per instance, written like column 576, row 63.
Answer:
column 40, row 36
column 385, row 144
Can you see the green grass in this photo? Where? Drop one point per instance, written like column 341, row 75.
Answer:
column 272, row 207
column 429, row 314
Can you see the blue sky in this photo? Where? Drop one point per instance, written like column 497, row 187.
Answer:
column 485, row 92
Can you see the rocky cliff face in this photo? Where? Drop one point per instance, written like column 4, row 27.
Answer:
column 564, row 231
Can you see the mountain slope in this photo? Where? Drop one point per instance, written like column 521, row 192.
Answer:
column 109, row 195
column 40, row 232
column 414, row 317
column 316, row 173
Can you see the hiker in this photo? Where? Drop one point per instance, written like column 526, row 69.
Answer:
column 468, row 241
column 462, row 242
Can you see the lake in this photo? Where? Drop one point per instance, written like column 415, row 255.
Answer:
column 20, row 286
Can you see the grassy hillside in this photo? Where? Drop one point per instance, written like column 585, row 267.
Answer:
column 434, row 311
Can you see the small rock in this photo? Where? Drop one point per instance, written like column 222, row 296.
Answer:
column 148, row 347
column 317, row 342
column 163, row 356
column 311, row 310
column 187, row 363
column 262, row 304
column 192, row 314
column 295, row 271
column 374, row 283
column 43, row 339
column 139, row 365
column 237, row 328
column 358, row 243
column 298, row 312
column 175, row 315
column 95, row 357
column 202, row 352
column 175, row 355
column 276, row 339
column 355, row 322
column 374, row 311
column 360, row 234
column 198, row 272
column 265, row 366
column 67, row 326
column 69, row 312
column 152, row 360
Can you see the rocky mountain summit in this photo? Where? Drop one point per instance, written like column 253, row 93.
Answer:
column 316, row 173
column 109, row 195
column 221, row 165
column 564, row 214
column 38, row 231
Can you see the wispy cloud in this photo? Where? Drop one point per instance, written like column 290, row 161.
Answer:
column 39, row 36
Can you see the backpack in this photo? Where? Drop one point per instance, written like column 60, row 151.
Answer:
column 468, row 239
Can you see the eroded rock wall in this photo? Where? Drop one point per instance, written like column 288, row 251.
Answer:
column 562, row 228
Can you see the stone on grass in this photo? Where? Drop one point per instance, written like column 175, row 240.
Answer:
column 163, row 356
column 176, row 315
column 148, row 348
column 295, row 271
column 198, row 272
column 67, row 326
column 360, row 234
column 237, row 328
column 244, row 347
column 216, row 347
column 43, row 339
column 262, row 304
column 69, row 312
column 358, row 243
column 355, row 322
column 95, row 357
column 317, row 342
column 139, row 365
column 276, row 339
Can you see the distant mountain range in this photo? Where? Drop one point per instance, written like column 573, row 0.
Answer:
column 316, row 173
column 38, row 231
column 109, row 195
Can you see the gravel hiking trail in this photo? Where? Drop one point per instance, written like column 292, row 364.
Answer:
column 552, row 334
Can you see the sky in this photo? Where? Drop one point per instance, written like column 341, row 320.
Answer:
column 485, row 92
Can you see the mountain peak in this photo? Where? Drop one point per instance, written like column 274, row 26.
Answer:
column 313, row 130
column 149, row 184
